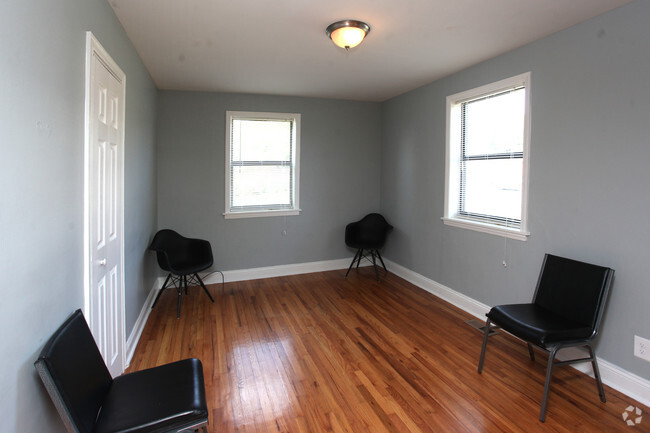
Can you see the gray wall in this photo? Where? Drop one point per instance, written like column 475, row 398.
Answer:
column 590, row 134
column 589, row 175
column 42, row 47
column 339, row 177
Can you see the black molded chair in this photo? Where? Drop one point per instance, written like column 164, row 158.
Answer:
column 566, row 311
column 367, row 234
column 168, row 398
column 182, row 257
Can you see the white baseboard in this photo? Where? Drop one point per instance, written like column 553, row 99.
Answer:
column 278, row 271
column 612, row 375
column 136, row 332
column 461, row 301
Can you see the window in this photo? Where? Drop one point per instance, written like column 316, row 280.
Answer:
column 262, row 155
column 488, row 138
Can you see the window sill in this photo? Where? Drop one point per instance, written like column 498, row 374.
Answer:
column 487, row 228
column 261, row 213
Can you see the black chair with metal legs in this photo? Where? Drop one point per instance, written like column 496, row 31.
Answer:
column 368, row 234
column 183, row 258
column 167, row 398
column 566, row 311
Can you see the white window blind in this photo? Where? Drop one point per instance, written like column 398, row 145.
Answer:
column 262, row 168
column 491, row 163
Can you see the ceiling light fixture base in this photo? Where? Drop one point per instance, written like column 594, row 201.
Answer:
column 347, row 33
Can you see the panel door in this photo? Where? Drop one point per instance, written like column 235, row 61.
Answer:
column 105, row 164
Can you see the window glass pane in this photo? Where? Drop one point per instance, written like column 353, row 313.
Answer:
column 493, row 187
column 261, row 186
column 495, row 124
column 261, row 140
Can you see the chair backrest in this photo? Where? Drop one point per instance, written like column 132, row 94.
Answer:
column 370, row 231
column 175, row 251
column 574, row 290
column 167, row 244
column 74, row 373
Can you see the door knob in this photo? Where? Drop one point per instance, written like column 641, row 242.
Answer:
column 102, row 262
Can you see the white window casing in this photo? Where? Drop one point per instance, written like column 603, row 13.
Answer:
column 486, row 186
column 262, row 173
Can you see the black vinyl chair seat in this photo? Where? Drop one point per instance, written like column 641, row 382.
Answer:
column 186, row 266
column 183, row 258
column 566, row 312
column 168, row 398
column 178, row 402
column 367, row 234
column 537, row 325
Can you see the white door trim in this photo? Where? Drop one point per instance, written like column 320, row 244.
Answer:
column 94, row 48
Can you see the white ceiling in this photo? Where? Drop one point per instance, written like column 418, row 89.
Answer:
column 279, row 47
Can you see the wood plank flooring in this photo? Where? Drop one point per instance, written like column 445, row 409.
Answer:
column 322, row 353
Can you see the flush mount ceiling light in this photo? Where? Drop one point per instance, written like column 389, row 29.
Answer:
column 347, row 33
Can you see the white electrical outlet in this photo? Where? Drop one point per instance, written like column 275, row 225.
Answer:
column 642, row 348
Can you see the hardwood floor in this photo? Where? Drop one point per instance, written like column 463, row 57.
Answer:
column 322, row 353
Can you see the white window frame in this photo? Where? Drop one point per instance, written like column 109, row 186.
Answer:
column 257, row 212
column 452, row 166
